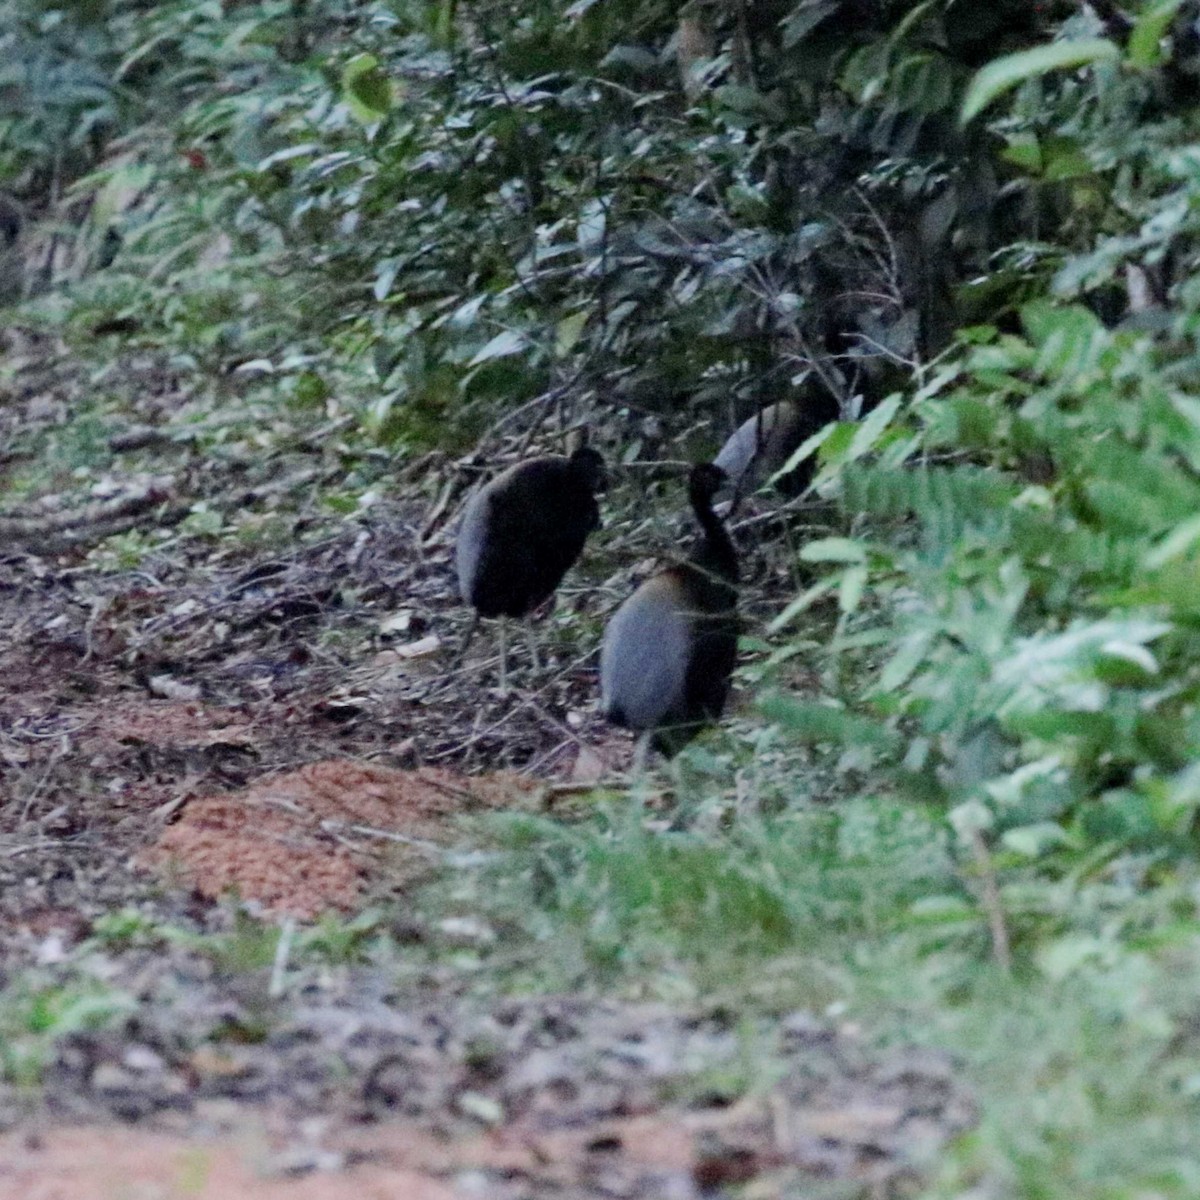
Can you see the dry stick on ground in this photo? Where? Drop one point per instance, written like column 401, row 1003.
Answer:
column 454, row 793
column 92, row 522
column 29, row 847
column 525, row 702
column 776, row 511
column 439, row 507
column 283, row 949
column 89, row 514
column 53, row 759
column 560, row 727
column 335, row 828
column 546, row 757
column 169, row 622
column 653, row 464
column 530, row 701
column 387, row 835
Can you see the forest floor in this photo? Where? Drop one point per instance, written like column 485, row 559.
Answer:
column 228, row 769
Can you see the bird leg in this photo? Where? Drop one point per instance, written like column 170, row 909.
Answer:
column 470, row 633
column 641, row 754
column 531, row 633
column 504, row 656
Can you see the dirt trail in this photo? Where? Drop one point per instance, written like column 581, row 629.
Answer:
column 526, row 1100
column 132, row 1164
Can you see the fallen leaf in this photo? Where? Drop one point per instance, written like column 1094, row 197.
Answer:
column 856, row 1124
column 397, row 622
column 588, row 766
column 420, row 648
column 172, row 689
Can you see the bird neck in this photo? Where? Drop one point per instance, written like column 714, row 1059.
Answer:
column 716, row 553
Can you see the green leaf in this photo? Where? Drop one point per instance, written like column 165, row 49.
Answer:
column 854, row 581
column 1066, row 955
column 1175, row 545
column 804, row 19
column 803, row 603
column 1033, row 840
column 1024, row 151
column 917, row 13
column 568, row 332
column 1145, row 42
column 806, row 449
column 866, row 71
column 869, row 430
column 1064, row 159
column 288, row 154
column 943, row 910
column 443, row 23
column 501, row 346
column 366, row 89
column 838, row 441
column 1003, row 74
column 809, row 722
column 835, row 549
column 904, row 662
column 385, row 276
column 1042, row 319
column 748, row 101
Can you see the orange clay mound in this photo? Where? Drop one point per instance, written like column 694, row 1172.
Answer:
column 307, row 841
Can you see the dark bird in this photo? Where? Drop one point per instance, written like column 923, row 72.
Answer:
column 520, row 534
column 669, row 649
column 11, row 220
column 12, row 255
column 763, row 443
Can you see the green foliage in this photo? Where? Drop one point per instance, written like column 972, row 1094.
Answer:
column 1045, row 643
column 472, row 212
column 251, row 945
column 617, row 898
column 1004, row 74
column 36, row 1014
column 1019, row 621
column 1083, row 1064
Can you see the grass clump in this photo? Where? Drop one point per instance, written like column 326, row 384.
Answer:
column 1083, row 1057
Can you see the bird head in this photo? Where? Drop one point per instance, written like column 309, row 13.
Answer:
column 589, row 464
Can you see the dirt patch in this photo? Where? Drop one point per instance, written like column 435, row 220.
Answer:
column 519, row 1100
column 163, row 724
column 307, row 841
column 647, row 1157
column 131, row 1164
column 93, row 1164
column 125, row 695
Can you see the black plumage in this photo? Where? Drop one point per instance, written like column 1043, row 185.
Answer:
column 12, row 219
column 669, row 650
column 522, row 532
column 12, row 254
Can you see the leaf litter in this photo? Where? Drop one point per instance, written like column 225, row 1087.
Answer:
column 222, row 717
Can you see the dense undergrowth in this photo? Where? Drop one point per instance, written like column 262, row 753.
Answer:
column 432, row 223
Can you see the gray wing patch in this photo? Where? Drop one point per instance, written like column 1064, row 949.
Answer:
column 468, row 549
column 643, row 662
